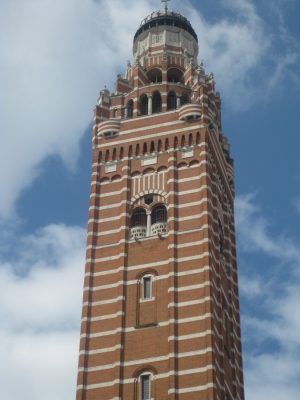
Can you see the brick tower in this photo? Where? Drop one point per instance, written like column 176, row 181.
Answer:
column 160, row 316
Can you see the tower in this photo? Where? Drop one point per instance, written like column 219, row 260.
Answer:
column 160, row 315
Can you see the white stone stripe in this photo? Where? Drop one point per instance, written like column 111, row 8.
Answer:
column 161, row 324
column 103, row 302
column 190, row 287
column 148, row 360
column 96, row 182
column 117, row 192
column 191, row 336
column 189, row 179
column 192, row 389
column 158, row 278
column 109, row 206
column 171, row 232
column 190, row 191
column 100, row 351
column 181, row 193
column 110, row 232
column 103, row 317
column 188, row 218
column 115, row 218
column 119, row 269
column 156, row 377
column 116, row 284
column 170, row 150
column 158, row 263
column 108, row 258
column 192, row 302
column 151, row 128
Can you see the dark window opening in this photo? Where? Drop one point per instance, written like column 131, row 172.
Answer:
column 145, row 387
column 148, row 199
column 139, row 218
column 184, row 99
column 171, row 101
column 155, row 76
column 175, row 75
column 130, row 109
column 147, row 287
column 144, row 105
column 156, row 103
column 159, row 214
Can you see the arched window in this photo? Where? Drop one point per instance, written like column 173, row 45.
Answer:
column 155, row 75
column 175, row 75
column 146, row 292
column 159, row 214
column 129, row 109
column 171, row 101
column 139, row 218
column 145, row 386
column 144, row 104
column 156, row 103
column 184, row 99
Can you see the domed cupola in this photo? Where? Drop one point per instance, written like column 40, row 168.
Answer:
column 165, row 31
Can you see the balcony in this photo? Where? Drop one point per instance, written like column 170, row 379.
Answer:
column 190, row 112
column 109, row 128
column 138, row 232
column 160, row 228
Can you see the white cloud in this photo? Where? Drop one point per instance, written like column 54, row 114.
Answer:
column 55, row 56
column 254, row 233
column 271, row 321
column 40, row 297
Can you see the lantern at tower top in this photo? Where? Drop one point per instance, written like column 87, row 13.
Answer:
column 165, row 31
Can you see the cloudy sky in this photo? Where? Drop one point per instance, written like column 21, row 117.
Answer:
column 55, row 56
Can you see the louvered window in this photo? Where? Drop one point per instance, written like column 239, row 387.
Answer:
column 147, row 287
column 145, row 387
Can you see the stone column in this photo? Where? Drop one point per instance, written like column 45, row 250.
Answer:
column 150, row 104
column 178, row 102
column 148, row 232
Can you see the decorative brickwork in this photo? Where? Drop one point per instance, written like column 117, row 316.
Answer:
column 160, row 315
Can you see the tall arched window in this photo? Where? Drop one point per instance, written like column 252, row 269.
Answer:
column 184, row 99
column 171, row 101
column 139, row 217
column 175, row 75
column 156, row 103
column 145, row 386
column 130, row 109
column 146, row 289
column 155, row 75
column 158, row 214
column 144, row 104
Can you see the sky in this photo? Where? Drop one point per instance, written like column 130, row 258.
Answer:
column 55, row 57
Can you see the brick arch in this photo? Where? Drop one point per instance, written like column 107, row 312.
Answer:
column 116, row 178
column 159, row 146
column 150, row 191
column 175, row 142
column 135, row 173
column 182, row 165
column 104, row 180
column 148, row 170
column 183, row 141
column 194, row 162
column 146, row 368
column 149, row 271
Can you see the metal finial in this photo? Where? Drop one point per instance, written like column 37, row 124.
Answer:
column 166, row 4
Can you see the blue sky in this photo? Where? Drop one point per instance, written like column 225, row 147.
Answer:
column 55, row 56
